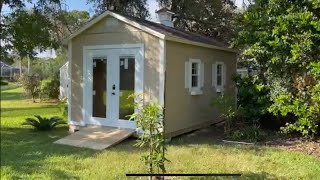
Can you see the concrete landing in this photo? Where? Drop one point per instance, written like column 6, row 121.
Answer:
column 96, row 137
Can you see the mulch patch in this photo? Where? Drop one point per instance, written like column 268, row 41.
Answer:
column 215, row 134
column 296, row 143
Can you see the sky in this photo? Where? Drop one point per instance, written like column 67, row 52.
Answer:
column 82, row 5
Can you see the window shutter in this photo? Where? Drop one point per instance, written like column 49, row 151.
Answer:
column 187, row 76
column 224, row 75
column 201, row 74
column 214, row 74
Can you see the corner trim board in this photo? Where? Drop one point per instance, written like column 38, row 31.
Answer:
column 162, row 69
column 69, row 81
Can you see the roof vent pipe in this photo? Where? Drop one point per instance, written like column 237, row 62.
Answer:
column 165, row 17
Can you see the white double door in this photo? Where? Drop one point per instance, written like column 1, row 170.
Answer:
column 113, row 75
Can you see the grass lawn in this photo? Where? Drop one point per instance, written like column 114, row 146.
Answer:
column 27, row 154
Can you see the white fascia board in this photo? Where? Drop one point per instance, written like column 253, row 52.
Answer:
column 185, row 41
column 117, row 16
column 146, row 29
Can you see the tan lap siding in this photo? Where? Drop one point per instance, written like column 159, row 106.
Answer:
column 101, row 34
column 183, row 110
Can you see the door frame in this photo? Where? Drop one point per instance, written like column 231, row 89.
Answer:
column 87, row 82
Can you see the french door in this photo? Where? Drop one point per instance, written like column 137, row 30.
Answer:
column 113, row 77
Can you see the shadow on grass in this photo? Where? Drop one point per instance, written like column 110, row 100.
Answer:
column 8, row 87
column 244, row 175
column 25, row 151
column 43, row 107
column 11, row 96
column 211, row 136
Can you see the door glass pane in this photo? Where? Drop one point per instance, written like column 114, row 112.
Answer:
column 127, row 71
column 219, row 74
column 99, row 104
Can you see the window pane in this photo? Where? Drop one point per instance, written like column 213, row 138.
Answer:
column 194, row 68
column 219, row 75
column 99, row 87
column 219, row 69
column 127, row 75
column 194, row 82
column 219, row 80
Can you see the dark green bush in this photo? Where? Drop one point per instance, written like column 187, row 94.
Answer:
column 44, row 124
column 63, row 105
column 30, row 84
column 50, row 88
column 253, row 99
column 227, row 107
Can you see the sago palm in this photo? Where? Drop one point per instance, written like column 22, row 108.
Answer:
column 43, row 123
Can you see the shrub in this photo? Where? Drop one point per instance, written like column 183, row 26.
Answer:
column 63, row 105
column 249, row 133
column 30, row 84
column 44, row 124
column 253, row 99
column 304, row 105
column 50, row 88
column 227, row 108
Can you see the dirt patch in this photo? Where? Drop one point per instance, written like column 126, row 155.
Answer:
column 296, row 144
column 215, row 135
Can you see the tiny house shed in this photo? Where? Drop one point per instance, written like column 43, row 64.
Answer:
column 113, row 56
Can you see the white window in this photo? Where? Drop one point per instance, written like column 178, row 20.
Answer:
column 218, row 76
column 194, row 77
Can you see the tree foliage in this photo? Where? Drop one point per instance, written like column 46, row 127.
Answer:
column 136, row 8
column 211, row 18
column 27, row 30
column 30, row 31
column 149, row 119
column 282, row 39
column 30, row 84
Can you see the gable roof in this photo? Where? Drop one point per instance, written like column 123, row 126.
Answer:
column 158, row 30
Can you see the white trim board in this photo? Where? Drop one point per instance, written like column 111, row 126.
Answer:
column 162, row 69
column 145, row 29
column 117, row 16
column 69, row 82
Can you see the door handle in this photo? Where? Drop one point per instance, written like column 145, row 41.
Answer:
column 113, row 93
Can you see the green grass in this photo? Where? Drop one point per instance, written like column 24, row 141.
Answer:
column 27, row 154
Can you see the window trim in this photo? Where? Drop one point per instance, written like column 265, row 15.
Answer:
column 219, row 88
column 198, row 62
column 197, row 89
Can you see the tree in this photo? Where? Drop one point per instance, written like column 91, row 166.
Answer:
column 27, row 31
column 149, row 118
column 74, row 19
column 207, row 17
column 282, row 39
column 30, row 84
column 136, row 8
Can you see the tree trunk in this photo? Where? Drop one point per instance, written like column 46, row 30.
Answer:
column 20, row 67
column 29, row 65
column 1, row 4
